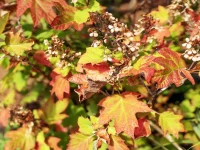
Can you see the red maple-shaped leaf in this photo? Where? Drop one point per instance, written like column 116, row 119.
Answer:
column 39, row 9
column 142, row 66
column 143, row 129
column 174, row 69
column 122, row 108
column 97, row 72
column 117, row 143
column 41, row 58
column 60, row 85
column 66, row 18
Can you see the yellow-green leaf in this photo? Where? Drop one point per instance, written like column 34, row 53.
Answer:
column 80, row 141
column 16, row 44
column 93, row 55
column 170, row 122
column 85, row 125
column 41, row 141
column 176, row 29
column 52, row 111
column 161, row 14
column 3, row 21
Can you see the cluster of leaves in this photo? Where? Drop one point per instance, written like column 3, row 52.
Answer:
column 120, row 99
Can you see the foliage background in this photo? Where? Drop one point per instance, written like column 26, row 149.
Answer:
column 23, row 84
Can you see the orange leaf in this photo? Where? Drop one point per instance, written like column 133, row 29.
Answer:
column 161, row 34
column 39, row 9
column 60, row 86
column 141, row 66
column 53, row 143
column 174, row 69
column 5, row 115
column 122, row 108
column 117, row 143
column 21, row 138
column 66, row 18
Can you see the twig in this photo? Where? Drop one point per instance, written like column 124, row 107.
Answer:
column 168, row 137
column 157, row 143
column 104, row 93
column 192, row 65
column 147, row 88
column 153, row 94
column 22, row 61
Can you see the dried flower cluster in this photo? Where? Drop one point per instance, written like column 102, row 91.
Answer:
column 56, row 49
column 109, row 31
column 21, row 116
column 192, row 44
column 179, row 7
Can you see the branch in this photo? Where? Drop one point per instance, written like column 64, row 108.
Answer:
column 168, row 137
column 29, row 63
column 153, row 94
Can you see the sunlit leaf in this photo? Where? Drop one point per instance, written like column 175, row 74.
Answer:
column 176, row 29
column 85, row 126
column 170, row 122
column 39, row 9
column 3, row 20
column 53, row 143
column 122, row 108
column 21, row 138
column 117, row 143
column 16, row 44
column 141, row 66
column 66, row 18
column 41, row 145
column 161, row 14
column 174, row 69
column 60, row 85
column 93, row 55
column 80, row 141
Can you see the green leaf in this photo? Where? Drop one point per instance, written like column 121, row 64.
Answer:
column 16, row 44
column 176, row 29
column 20, row 80
column 52, row 111
column 170, row 122
column 10, row 98
column 94, row 6
column 93, row 55
column 3, row 21
column 81, row 16
column 75, row 111
column 85, row 126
